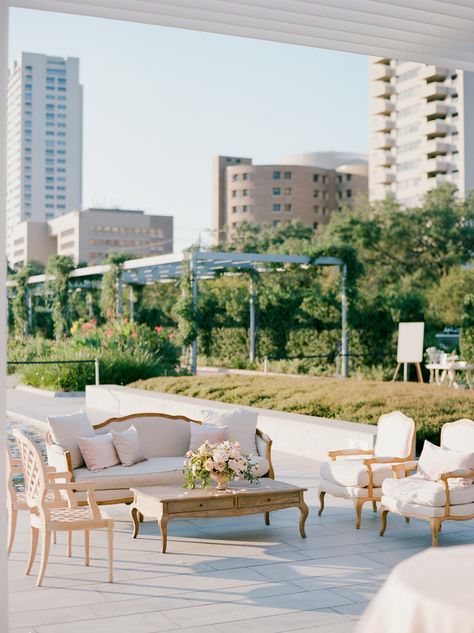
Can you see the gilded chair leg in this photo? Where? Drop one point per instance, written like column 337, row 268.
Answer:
column 322, row 494
column 374, row 506
column 358, row 508
column 267, row 518
column 12, row 517
column 141, row 518
column 407, row 519
column 383, row 520
column 45, row 544
column 435, row 523
column 69, row 543
column 87, row 546
column 33, row 548
column 110, row 548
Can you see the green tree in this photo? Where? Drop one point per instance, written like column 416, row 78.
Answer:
column 109, row 295
column 58, row 270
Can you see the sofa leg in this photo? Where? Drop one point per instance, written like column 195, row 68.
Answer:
column 383, row 520
column 358, row 508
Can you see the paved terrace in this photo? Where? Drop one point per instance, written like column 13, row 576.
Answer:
column 230, row 573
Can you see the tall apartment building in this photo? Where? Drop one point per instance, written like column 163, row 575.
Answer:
column 92, row 234
column 422, row 129
column 44, row 140
column 298, row 189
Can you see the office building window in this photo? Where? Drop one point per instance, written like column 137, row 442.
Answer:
column 325, row 180
column 348, row 193
column 234, row 209
column 245, row 192
column 287, row 175
column 287, row 191
column 315, row 177
column 316, row 209
column 287, row 207
column 277, row 207
column 276, row 222
column 245, row 208
column 234, row 193
column 276, row 175
column 315, row 193
column 276, row 191
column 235, row 177
column 315, row 225
column 348, row 177
column 245, row 176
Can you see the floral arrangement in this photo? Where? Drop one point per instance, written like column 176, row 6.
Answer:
column 221, row 462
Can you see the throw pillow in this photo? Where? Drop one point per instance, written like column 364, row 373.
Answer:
column 435, row 460
column 129, row 447
column 99, row 451
column 241, row 423
column 202, row 432
column 65, row 431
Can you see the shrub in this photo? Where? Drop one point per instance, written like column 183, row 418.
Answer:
column 351, row 399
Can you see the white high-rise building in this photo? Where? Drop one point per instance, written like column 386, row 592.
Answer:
column 44, row 140
column 422, row 129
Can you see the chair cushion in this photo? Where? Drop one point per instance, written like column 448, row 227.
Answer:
column 201, row 433
column 347, row 492
column 65, row 431
column 98, row 451
column 129, row 447
column 352, row 472
column 241, row 423
column 404, row 508
column 419, row 491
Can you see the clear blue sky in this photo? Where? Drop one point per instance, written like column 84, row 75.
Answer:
column 160, row 102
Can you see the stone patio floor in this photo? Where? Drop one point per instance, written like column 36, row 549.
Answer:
column 228, row 574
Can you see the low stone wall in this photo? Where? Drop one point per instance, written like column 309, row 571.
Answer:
column 302, row 435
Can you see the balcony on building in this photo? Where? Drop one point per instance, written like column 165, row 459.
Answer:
column 437, row 110
column 384, row 177
column 383, row 124
column 383, row 141
column 435, row 166
column 384, row 61
column 383, row 107
column 383, row 90
column 431, row 72
column 435, row 129
column 382, row 72
column 435, row 91
column 437, row 148
column 383, row 159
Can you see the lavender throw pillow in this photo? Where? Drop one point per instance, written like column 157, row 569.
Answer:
column 98, row 451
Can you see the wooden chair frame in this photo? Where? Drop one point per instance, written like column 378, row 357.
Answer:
column 368, row 463
column 132, row 416
column 46, row 517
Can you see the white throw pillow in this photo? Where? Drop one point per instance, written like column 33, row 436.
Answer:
column 202, row 432
column 99, row 451
column 435, row 460
column 129, row 447
column 65, row 431
column 241, row 423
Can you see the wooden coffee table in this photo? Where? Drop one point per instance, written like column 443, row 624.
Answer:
column 240, row 499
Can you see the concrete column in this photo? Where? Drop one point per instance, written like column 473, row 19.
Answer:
column 194, row 281
column 252, row 329
column 344, row 342
column 3, row 306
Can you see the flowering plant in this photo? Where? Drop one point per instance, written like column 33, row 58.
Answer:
column 216, row 461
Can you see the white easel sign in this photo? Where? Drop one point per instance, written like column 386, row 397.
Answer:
column 410, row 347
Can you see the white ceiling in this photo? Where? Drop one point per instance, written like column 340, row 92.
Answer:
column 433, row 31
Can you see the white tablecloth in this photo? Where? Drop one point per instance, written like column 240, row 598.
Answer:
column 431, row 592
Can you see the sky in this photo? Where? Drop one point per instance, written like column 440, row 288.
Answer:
column 159, row 103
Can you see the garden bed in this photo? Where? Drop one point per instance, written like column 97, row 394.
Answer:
column 356, row 400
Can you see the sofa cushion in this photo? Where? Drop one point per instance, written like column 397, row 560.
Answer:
column 241, row 423
column 129, row 447
column 347, row 492
column 98, row 451
column 160, row 436
column 352, row 472
column 414, row 509
column 201, row 433
column 153, row 472
column 419, row 491
column 65, row 431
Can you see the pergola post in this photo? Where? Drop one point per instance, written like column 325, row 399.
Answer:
column 194, row 281
column 29, row 312
column 132, row 299
column 119, row 295
column 344, row 343
column 252, row 329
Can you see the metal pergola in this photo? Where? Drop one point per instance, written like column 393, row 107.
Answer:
column 202, row 265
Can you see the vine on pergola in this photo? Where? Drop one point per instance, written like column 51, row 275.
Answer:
column 59, row 268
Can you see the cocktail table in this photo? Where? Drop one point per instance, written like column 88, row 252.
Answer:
column 241, row 498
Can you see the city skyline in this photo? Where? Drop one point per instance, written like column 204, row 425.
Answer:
column 162, row 159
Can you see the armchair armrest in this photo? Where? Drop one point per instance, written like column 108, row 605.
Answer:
column 461, row 473
column 404, row 467
column 66, row 475
column 385, row 459
column 71, row 487
column 58, row 458
column 264, row 448
column 349, row 451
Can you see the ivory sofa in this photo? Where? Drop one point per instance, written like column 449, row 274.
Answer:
column 166, row 439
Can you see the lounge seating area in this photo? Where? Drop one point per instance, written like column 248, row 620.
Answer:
column 257, row 563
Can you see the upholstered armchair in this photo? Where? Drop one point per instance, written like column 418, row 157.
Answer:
column 448, row 498
column 358, row 474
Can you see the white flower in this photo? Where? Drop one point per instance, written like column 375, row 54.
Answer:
column 209, row 465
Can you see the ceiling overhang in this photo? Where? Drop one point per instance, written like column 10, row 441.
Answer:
column 431, row 31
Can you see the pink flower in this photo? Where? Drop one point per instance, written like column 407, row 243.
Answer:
column 158, row 328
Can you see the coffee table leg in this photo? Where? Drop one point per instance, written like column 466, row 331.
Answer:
column 134, row 512
column 304, row 515
column 163, row 523
column 267, row 518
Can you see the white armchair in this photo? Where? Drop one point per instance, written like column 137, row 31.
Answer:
column 358, row 474
column 448, row 498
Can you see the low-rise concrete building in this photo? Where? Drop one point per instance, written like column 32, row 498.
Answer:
column 91, row 235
